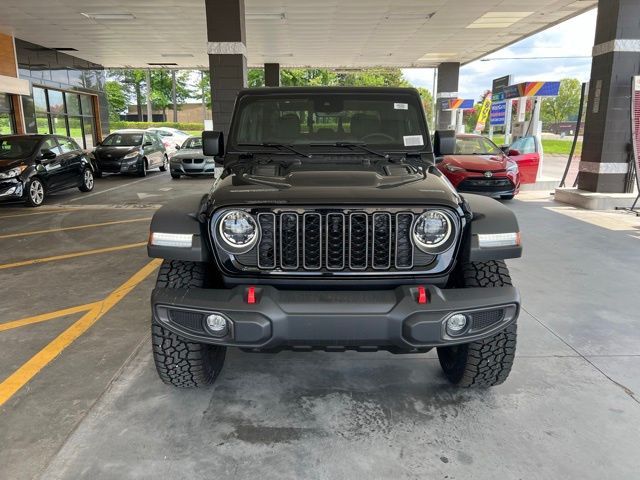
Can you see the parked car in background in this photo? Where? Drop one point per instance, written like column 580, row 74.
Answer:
column 130, row 151
column 475, row 164
column 32, row 166
column 190, row 160
column 171, row 138
column 527, row 153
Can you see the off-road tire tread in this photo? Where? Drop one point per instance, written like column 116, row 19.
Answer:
column 486, row 362
column 179, row 362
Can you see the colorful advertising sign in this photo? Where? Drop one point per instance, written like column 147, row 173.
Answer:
column 532, row 89
column 464, row 104
column 498, row 116
column 483, row 116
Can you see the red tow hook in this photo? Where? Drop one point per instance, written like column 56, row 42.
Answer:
column 422, row 295
column 251, row 295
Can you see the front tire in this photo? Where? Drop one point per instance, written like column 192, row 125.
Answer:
column 180, row 362
column 175, row 175
column 87, row 181
column 165, row 162
column 486, row 362
column 142, row 172
column 35, row 193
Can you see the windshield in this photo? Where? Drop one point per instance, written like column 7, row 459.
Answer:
column 476, row 146
column 14, row 148
column 193, row 143
column 123, row 140
column 390, row 121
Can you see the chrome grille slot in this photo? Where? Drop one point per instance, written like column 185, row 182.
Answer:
column 335, row 241
column 267, row 245
column 289, row 241
column 404, row 248
column 312, row 241
column 381, row 243
column 358, row 241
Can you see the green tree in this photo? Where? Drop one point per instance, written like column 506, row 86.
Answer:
column 202, row 88
column 427, row 102
column 133, row 82
column 116, row 98
column 565, row 106
column 255, row 77
column 161, row 89
column 374, row 77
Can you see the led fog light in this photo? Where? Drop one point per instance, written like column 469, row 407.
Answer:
column 456, row 324
column 217, row 324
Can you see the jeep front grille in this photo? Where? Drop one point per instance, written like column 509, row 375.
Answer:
column 325, row 240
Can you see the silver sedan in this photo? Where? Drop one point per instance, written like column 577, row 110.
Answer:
column 190, row 160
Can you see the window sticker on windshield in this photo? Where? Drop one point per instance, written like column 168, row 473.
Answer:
column 401, row 106
column 413, row 140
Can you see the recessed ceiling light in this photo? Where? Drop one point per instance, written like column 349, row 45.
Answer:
column 409, row 16
column 162, row 64
column 266, row 16
column 498, row 19
column 109, row 16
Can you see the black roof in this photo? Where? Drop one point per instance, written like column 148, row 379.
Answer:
column 302, row 90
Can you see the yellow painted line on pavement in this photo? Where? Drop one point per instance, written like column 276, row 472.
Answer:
column 65, row 256
column 77, row 227
column 31, row 367
column 43, row 317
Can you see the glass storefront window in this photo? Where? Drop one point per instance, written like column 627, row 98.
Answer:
column 75, row 129
column 87, row 106
column 59, row 124
column 56, row 102
column 7, row 122
column 40, row 100
column 42, row 124
column 88, row 133
column 73, row 104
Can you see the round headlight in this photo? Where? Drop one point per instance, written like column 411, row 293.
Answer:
column 238, row 230
column 432, row 230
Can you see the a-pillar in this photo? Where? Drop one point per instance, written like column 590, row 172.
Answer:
column 607, row 132
column 227, row 57
column 448, row 75
column 271, row 74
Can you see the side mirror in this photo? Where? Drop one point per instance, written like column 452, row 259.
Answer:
column 213, row 144
column 148, row 144
column 513, row 153
column 177, row 147
column 504, row 148
column 444, row 143
column 47, row 155
column 98, row 144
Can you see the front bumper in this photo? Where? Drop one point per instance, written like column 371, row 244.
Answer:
column 387, row 319
column 11, row 189
column 204, row 168
column 118, row 166
column 494, row 187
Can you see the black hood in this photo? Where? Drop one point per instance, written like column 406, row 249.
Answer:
column 330, row 187
column 113, row 153
column 7, row 164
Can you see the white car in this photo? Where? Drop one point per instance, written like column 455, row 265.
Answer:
column 171, row 138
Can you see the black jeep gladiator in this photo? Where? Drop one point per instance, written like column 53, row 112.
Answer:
column 330, row 228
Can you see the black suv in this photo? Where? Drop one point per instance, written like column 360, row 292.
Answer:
column 131, row 151
column 330, row 228
column 32, row 166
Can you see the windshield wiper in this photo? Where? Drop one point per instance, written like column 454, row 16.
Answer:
column 276, row 145
column 351, row 146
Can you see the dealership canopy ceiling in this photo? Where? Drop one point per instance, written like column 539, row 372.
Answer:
column 327, row 33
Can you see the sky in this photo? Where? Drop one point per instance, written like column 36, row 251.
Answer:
column 573, row 38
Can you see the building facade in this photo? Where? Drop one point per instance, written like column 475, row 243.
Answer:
column 44, row 90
